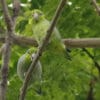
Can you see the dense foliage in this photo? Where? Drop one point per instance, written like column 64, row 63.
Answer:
column 72, row 82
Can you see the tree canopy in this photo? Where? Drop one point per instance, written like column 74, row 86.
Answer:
column 80, row 80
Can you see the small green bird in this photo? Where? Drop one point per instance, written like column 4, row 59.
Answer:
column 40, row 26
column 54, row 57
column 24, row 63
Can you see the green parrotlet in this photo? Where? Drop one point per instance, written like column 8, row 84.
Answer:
column 24, row 63
column 54, row 56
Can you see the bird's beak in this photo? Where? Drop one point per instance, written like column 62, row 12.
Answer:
column 36, row 16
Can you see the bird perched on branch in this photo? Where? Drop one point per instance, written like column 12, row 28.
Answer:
column 54, row 57
column 40, row 28
column 24, row 63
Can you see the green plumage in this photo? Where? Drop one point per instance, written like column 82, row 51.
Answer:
column 40, row 28
column 24, row 63
column 54, row 58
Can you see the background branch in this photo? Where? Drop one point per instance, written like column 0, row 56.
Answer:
column 90, row 95
column 40, row 50
column 92, row 57
column 6, row 54
column 16, row 9
column 7, row 16
column 22, row 40
column 96, row 6
column 71, row 43
column 4, row 69
column 83, row 42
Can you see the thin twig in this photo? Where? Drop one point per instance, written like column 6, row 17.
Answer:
column 40, row 50
column 16, row 10
column 92, row 57
column 96, row 6
column 90, row 95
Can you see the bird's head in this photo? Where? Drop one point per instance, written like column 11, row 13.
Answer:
column 37, row 15
column 32, row 50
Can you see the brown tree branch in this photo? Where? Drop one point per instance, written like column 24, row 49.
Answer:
column 10, row 22
column 4, row 69
column 22, row 40
column 83, row 42
column 40, row 50
column 72, row 43
column 96, row 6
column 7, row 50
